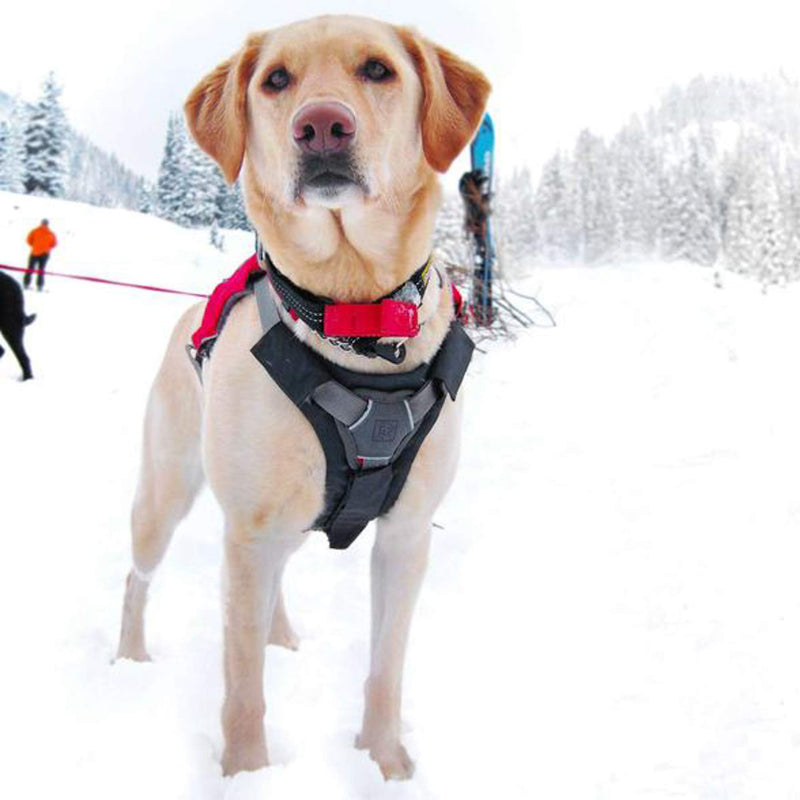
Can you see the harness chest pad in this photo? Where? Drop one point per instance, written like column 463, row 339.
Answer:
column 370, row 426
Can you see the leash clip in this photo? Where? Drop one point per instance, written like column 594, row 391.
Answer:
column 393, row 352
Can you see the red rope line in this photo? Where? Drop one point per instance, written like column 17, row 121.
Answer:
column 93, row 279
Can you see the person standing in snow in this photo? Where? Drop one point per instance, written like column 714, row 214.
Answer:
column 42, row 240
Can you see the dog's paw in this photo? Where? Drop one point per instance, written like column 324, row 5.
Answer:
column 284, row 637
column 393, row 761
column 133, row 654
column 244, row 759
column 281, row 632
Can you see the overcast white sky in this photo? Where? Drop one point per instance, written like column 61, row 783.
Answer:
column 556, row 66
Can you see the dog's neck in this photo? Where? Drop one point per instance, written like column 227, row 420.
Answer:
column 354, row 254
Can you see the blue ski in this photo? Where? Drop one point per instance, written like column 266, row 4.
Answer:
column 476, row 190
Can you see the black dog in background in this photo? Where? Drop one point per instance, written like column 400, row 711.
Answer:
column 13, row 321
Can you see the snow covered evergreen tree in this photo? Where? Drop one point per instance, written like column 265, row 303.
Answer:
column 171, row 184
column 556, row 211
column 634, row 167
column 737, row 206
column 91, row 175
column 215, row 238
column 773, row 256
column 3, row 148
column 190, row 189
column 198, row 207
column 596, row 201
column 12, row 150
column 231, row 208
column 762, row 238
column 449, row 236
column 99, row 178
column 692, row 226
column 46, row 143
column 219, row 190
column 711, row 173
column 516, row 229
column 146, row 198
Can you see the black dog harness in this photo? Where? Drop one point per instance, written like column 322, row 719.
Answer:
column 370, row 426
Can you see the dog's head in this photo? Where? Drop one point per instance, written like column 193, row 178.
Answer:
column 336, row 111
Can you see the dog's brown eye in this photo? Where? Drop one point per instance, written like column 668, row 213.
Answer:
column 375, row 70
column 277, row 80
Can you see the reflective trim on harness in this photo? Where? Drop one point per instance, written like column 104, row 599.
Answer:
column 361, row 419
column 351, row 410
column 377, row 435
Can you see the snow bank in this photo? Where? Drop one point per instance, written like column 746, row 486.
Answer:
column 119, row 244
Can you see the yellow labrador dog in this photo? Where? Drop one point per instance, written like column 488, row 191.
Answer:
column 402, row 108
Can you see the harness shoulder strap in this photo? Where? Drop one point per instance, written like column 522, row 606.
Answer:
column 297, row 369
column 267, row 310
column 451, row 362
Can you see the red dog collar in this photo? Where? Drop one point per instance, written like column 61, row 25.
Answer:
column 355, row 326
column 386, row 318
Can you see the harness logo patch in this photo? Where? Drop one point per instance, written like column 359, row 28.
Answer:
column 385, row 430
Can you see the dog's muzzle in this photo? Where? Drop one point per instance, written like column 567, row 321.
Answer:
column 328, row 173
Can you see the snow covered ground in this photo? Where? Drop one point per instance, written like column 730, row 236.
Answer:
column 612, row 608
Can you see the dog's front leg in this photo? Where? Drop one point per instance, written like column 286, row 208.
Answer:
column 399, row 560
column 254, row 560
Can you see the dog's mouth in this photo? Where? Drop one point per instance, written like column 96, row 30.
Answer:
column 330, row 181
column 326, row 177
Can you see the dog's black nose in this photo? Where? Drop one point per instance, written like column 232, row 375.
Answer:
column 322, row 128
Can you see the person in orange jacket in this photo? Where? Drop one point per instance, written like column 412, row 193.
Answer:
column 42, row 240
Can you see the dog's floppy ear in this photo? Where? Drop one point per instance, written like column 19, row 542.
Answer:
column 216, row 110
column 454, row 98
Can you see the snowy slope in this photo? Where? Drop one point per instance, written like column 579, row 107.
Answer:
column 612, row 608
column 119, row 244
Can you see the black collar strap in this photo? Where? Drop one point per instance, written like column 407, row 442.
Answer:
column 302, row 304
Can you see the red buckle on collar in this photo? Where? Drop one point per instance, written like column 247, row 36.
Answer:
column 387, row 318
